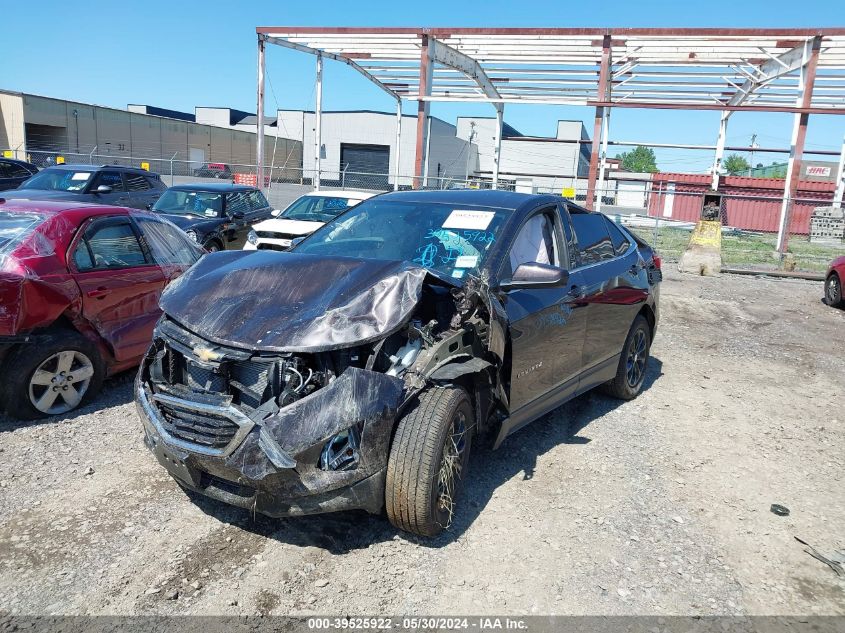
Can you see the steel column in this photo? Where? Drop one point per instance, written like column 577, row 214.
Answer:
column 426, row 76
column 602, row 96
column 398, row 144
column 799, row 135
column 497, row 148
column 720, row 150
column 318, row 120
column 840, row 179
column 605, row 131
column 259, row 125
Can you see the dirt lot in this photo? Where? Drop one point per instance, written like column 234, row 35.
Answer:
column 657, row 506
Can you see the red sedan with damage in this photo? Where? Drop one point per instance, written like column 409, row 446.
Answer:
column 833, row 283
column 79, row 289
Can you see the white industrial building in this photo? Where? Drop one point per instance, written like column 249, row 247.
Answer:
column 42, row 129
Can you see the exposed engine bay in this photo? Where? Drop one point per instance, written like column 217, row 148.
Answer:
column 249, row 414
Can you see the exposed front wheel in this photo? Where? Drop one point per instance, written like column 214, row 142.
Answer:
column 633, row 362
column 428, row 461
column 51, row 377
column 833, row 291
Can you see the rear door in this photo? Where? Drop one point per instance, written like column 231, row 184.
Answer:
column 119, row 282
column 118, row 196
column 171, row 249
column 260, row 209
column 611, row 269
column 141, row 192
column 547, row 325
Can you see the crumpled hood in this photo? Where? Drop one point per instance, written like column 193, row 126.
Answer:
column 291, row 302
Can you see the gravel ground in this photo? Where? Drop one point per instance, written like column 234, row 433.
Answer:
column 656, row 506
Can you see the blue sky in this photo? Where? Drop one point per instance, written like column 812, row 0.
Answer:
column 179, row 55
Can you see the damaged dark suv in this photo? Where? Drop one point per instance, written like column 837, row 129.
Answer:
column 354, row 371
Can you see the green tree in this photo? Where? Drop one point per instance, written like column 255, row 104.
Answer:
column 736, row 165
column 640, row 159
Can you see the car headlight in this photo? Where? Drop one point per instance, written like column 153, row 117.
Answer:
column 192, row 234
column 252, row 237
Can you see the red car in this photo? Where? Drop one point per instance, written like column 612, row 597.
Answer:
column 79, row 290
column 833, row 283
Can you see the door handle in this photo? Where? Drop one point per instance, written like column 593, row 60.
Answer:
column 99, row 293
column 575, row 291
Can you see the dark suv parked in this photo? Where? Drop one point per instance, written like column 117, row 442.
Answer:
column 213, row 170
column 217, row 216
column 355, row 370
column 14, row 172
column 112, row 185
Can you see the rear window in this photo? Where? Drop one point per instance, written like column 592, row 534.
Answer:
column 591, row 232
column 619, row 239
column 14, row 227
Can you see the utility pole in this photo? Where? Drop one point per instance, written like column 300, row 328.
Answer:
column 469, row 147
column 753, row 145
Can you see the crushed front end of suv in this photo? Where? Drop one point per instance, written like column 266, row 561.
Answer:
column 354, row 371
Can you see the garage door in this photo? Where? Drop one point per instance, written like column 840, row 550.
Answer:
column 366, row 166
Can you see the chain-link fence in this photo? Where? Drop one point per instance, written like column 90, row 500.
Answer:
column 659, row 212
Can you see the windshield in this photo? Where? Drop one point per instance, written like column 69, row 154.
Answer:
column 14, row 227
column 452, row 240
column 317, row 208
column 201, row 203
column 52, row 179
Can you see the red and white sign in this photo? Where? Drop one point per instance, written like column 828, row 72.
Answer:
column 817, row 170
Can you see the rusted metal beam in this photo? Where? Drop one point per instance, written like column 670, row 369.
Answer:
column 259, row 118
column 603, row 95
column 597, row 31
column 426, row 77
column 799, row 135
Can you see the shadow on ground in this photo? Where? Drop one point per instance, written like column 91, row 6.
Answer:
column 342, row 532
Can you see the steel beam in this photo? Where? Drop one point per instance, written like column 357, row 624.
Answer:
column 497, row 148
column 318, row 121
column 259, row 125
column 603, row 95
column 605, row 131
column 340, row 58
column 448, row 56
column 840, row 179
column 720, row 150
column 775, row 67
column 397, row 168
column 426, row 76
column 799, row 134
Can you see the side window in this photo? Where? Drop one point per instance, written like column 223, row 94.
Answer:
column 135, row 182
column 167, row 243
column 110, row 179
column 5, row 170
column 257, row 201
column 18, row 171
column 110, row 244
column 154, row 183
column 621, row 243
column 594, row 243
column 237, row 201
column 535, row 242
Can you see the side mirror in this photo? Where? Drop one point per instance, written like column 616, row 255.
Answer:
column 295, row 241
column 276, row 213
column 534, row 275
column 103, row 189
column 238, row 215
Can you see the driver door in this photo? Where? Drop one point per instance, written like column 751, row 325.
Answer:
column 547, row 325
column 238, row 209
column 118, row 196
column 120, row 285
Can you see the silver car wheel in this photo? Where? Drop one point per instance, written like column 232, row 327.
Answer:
column 60, row 382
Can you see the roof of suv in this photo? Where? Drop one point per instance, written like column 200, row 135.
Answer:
column 217, row 187
column 96, row 167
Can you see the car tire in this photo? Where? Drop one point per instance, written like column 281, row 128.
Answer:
column 833, row 291
column 26, row 397
column 428, row 461
column 633, row 362
column 213, row 246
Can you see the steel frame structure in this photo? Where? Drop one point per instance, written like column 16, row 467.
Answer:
column 799, row 71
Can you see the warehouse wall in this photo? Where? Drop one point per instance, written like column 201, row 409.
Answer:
column 11, row 122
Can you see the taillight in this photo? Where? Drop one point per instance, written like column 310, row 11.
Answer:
column 657, row 261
